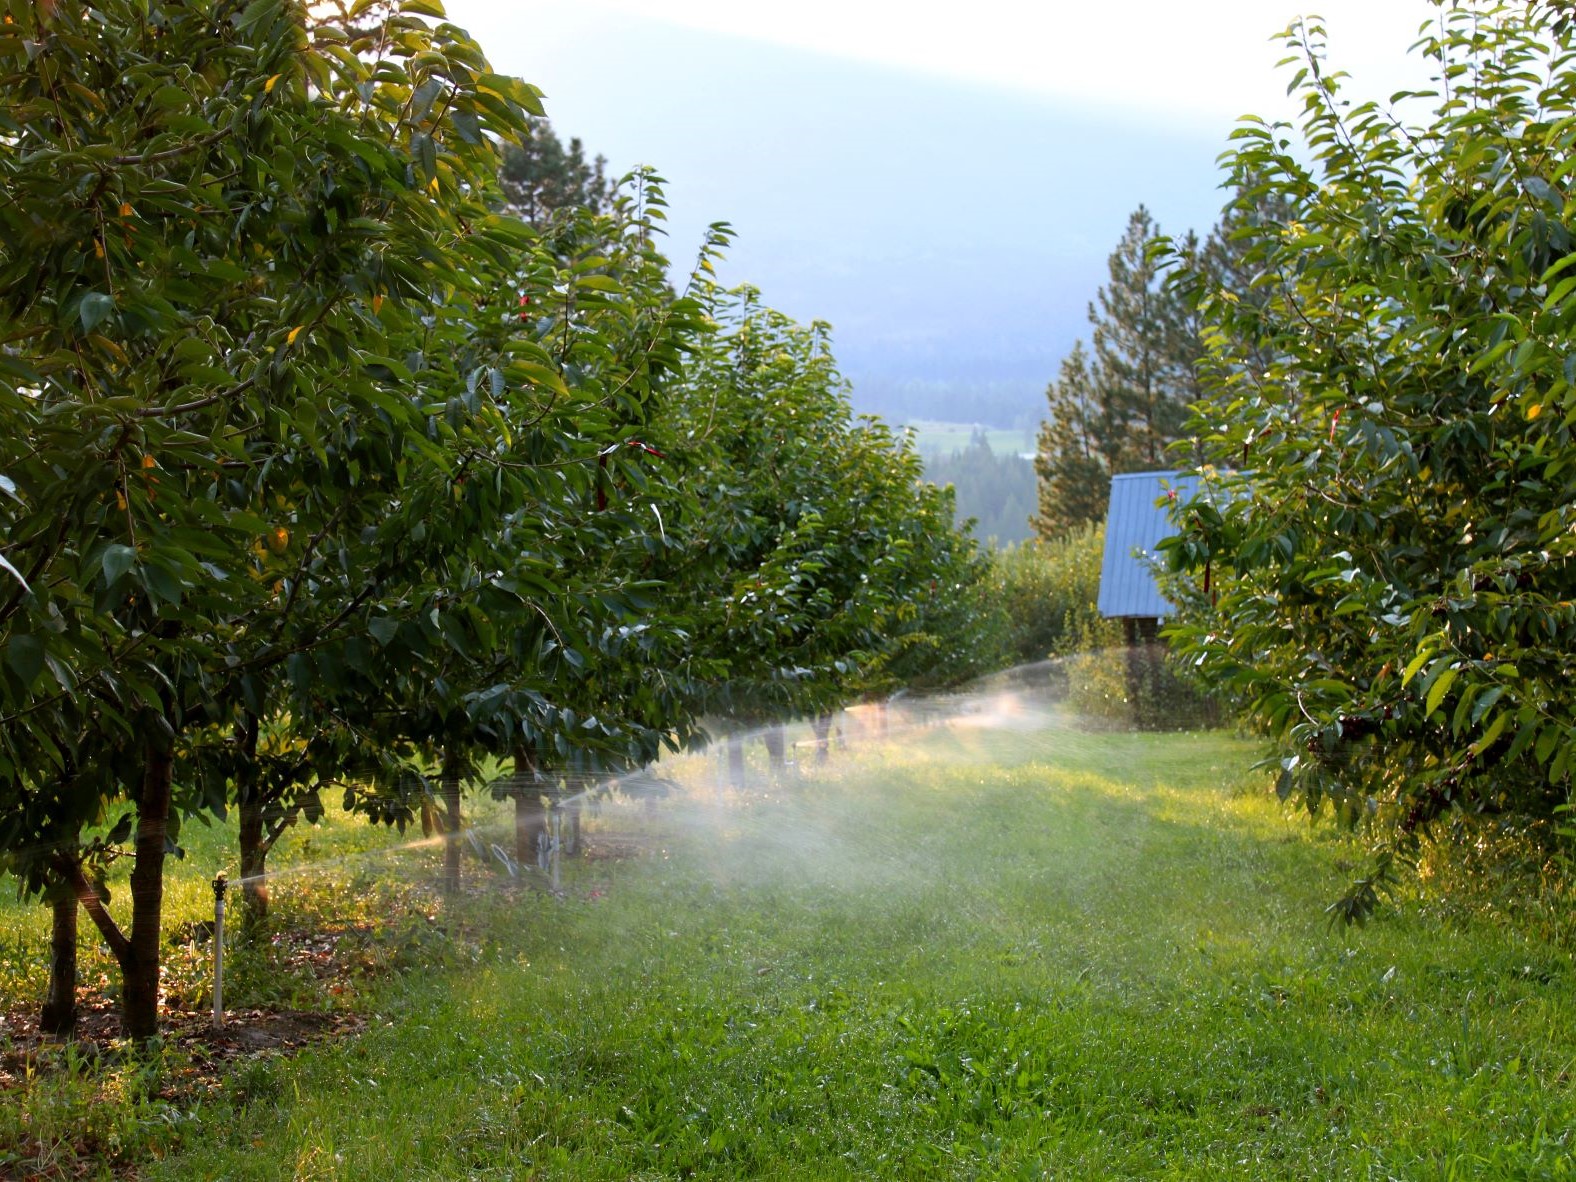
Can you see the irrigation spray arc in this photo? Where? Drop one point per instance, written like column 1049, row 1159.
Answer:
column 969, row 725
column 864, row 728
column 794, row 824
column 1021, row 700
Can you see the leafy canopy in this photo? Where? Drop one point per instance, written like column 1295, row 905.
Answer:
column 1381, row 564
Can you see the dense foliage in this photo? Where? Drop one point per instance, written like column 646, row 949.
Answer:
column 1381, row 561
column 1047, row 592
column 324, row 470
column 838, row 567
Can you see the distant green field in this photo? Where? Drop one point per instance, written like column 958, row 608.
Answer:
column 934, row 438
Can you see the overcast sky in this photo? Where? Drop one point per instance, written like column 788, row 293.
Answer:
column 942, row 181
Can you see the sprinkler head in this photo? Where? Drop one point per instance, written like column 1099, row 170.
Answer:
column 220, row 882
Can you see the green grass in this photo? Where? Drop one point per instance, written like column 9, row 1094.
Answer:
column 76, row 1108
column 935, row 438
column 994, row 952
column 341, row 857
column 1082, row 958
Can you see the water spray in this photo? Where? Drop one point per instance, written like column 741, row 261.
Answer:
column 220, row 883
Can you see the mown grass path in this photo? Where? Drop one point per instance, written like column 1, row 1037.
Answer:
column 981, row 952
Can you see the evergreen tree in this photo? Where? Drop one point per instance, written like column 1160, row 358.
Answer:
column 1120, row 409
column 1071, row 461
column 1135, row 328
column 540, row 176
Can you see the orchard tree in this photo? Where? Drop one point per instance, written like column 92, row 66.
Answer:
column 544, row 639
column 1381, row 563
column 837, row 564
column 221, row 223
column 1228, row 262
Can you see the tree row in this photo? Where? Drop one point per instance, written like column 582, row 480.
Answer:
column 323, row 470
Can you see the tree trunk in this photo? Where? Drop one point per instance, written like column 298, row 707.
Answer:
column 253, row 830
column 569, row 833
column 59, row 1015
column 736, row 762
column 254, row 860
column 776, row 753
column 530, row 824
column 822, row 725
column 140, row 965
column 530, row 819
column 451, row 827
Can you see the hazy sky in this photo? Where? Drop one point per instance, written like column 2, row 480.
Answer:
column 1205, row 60
column 942, row 181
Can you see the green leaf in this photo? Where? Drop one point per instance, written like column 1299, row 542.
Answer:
column 93, row 309
column 1488, row 698
column 1548, row 739
column 1489, row 737
column 25, row 656
column 425, row 152
column 467, row 125
column 116, row 561
column 1415, row 664
column 172, row 97
column 161, row 583
column 1544, row 192
column 5, row 565
column 1437, row 691
column 383, row 628
column 121, row 830
column 421, row 102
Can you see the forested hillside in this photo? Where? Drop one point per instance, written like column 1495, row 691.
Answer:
column 996, row 491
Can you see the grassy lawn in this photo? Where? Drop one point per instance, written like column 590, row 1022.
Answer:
column 1002, row 948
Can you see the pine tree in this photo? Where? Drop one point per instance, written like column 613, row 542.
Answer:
column 995, row 491
column 1070, row 461
column 1121, row 408
column 1133, row 372
column 540, row 176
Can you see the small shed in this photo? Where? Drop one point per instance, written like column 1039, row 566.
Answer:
column 1134, row 527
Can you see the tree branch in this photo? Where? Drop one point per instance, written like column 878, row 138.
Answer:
column 159, row 412
column 172, row 153
column 71, row 870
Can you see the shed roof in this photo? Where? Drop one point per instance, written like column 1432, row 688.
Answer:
column 1134, row 526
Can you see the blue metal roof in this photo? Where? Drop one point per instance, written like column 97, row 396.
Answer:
column 1134, row 526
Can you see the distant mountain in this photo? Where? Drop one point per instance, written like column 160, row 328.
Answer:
column 952, row 234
